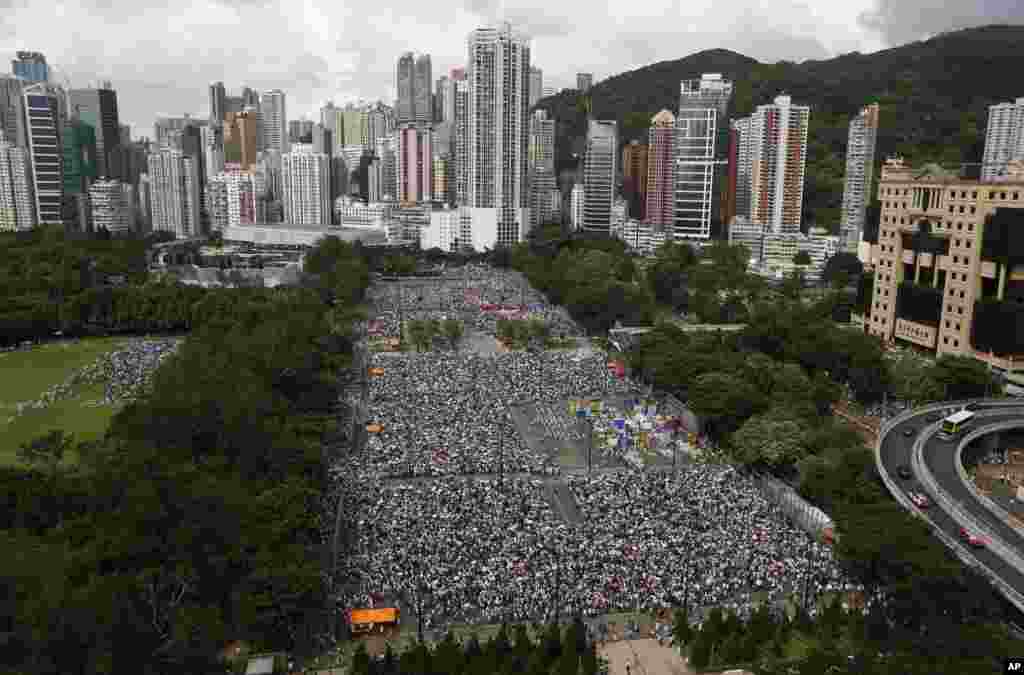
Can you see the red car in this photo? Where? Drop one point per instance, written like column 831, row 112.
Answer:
column 920, row 501
column 974, row 540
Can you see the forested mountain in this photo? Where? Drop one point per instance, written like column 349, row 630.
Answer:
column 934, row 97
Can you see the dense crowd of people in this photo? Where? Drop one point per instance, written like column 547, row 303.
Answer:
column 478, row 296
column 123, row 373
column 426, row 515
column 484, row 551
column 448, row 412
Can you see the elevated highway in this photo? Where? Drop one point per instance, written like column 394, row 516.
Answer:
column 911, row 439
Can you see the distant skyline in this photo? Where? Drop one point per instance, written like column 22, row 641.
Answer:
column 161, row 59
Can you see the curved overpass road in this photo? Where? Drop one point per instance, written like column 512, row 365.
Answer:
column 1005, row 557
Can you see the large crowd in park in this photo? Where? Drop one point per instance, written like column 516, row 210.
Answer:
column 123, row 372
column 429, row 515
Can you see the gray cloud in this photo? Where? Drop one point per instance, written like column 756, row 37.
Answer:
column 902, row 21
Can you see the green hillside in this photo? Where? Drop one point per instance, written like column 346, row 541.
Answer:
column 934, row 96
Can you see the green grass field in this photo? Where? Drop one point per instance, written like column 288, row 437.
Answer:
column 25, row 375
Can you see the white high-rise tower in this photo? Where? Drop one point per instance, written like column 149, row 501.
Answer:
column 1004, row 138
column 860, row 163
column 306, row 187
column 498, row 135
column 275, row 121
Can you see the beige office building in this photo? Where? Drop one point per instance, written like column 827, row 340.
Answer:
column 937, row 273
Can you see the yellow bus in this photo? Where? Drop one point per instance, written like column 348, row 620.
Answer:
column 957, row 422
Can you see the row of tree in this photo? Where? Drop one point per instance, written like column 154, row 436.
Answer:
column 522, row 333
column 510, row 651
column 196, row 520
column 421, row 332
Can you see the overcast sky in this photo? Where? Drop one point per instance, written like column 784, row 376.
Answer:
column 161, row 56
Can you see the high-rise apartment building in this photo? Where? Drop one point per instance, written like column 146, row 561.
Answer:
column 415, row 164
column 387, row 153
column 212, row 137
column 12, row 111
column 232, row 196
column 250, row 97
column 174, row 193
column 860, row 164
column 461, row 141
column 98, row 108
column 703, row 105
column 599, row 174
column 778, row 157
column 634, row 178
column 441, row 96
column 78, row 141
column 1004, row 138
column 423, row 82
column 46, row 153
column 17, row 205
column 218, row 103
column 405, row 78
column 584, row 81
column 949, row 263
column 740, row 167
column 536, row 85
column 275, row 121
column 168, row 130
column 112, row 208
column 498, row 134
column 380, row 122
column 240, row 133
column 577, row 202
column 31, row 67
column 306, row 186
column 661, row 170
column 329, row 118
column 355, row 126
column 542, row 169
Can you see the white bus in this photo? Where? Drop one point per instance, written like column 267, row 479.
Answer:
column 955, row 423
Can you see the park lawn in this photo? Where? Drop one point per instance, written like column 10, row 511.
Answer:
column 24, row 376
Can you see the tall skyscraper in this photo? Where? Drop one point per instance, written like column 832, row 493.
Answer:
column 213, row 148
column 740, row 149
column 634, row 178
column 17, row 206
column 42, row 113
column 31, row 67
column 1004, row 138
column 329, row 118
column 174, row 185
column 703, row 104
column 275, row 121
column 405, row 77
column 443, row 87
column 498, row 135
column 584, row 81
column 218, row 103
column 12, row 111
column 599, row 174
column 461, row 140
column 860, row 164
column 355, row 126
column 240, row 132
column 661, row 167
column 542, row 168
column 250, row 97
column 778, row 161
column 306, row 186
column 78, row 141
column 536, row 85
column 387, row 153
column 380, row 122
column 415, row 164
column 422, row 88
column 98, row 108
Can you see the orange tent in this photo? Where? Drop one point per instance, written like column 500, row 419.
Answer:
column 374, row 428
column 376, row 371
